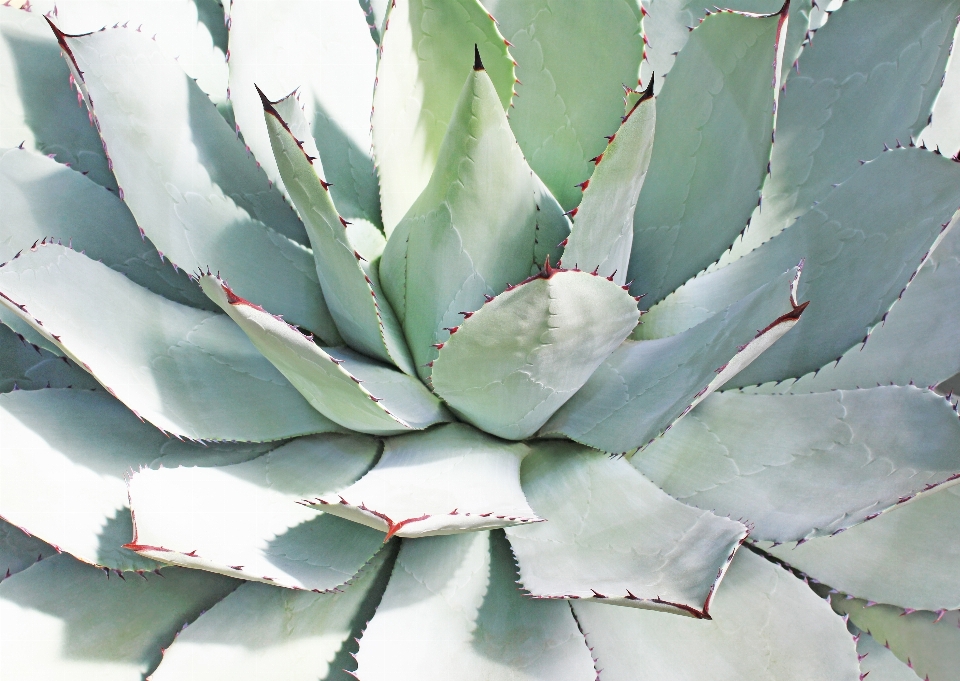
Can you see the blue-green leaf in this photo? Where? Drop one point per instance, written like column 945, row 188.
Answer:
column 509, row 366
column 19, row 550
column 24, row 366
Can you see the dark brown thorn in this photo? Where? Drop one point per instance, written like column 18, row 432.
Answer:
column 477, row 62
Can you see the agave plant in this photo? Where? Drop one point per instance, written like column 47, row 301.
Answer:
column 608, row 351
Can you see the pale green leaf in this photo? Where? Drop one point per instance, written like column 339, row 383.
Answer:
column 942, row 132
column 710, row 150
column 25, row 331
column 473, row 230
column 62, row 619
column 91, row 440
column 766, row 625
column 244, row 521
column 917, row 341
column 908, row 555
column 43, row 200
column 350, row 284
column 552, row 228
column 927, row 641
column 426, row 54
column 188, row 181
column 645, row 386
column 449, row 479
column 881, row 664
column 19, row 550
column 26, row 367
column 189, row 372
column 258, row 631
column 800, row 466
column 37, row 105
column 868, row 79
column 509, row 366
column 861, row 245
column 352, row 390
column 321, row 50
column 571, row 65
column 613, row 536
column 453, row 611
column 602, row 233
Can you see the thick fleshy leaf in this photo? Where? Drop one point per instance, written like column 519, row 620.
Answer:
column 24, row 366
column 509, row 366
column 425, row 57
column 908, row 555
column 351, row 285
column 917, row 341
column 552, row 228
column 62, row 465
column 868, row 79
column 710, row 150
column 926, row 641
column 321, row 50
column 352, row 390
column 43, row 200
column 571, row 66
column 861, row 246
column 602, row 233
column 244, row 521
column 19, row 550
column 189, row 372
column 37, row 105
column 187, row 179
column 942, row 131
column 800, row 466
column 645, row 386
column 766, row 625
column 881, row 664
column 449, row 479
column 62, row 619
column 258, row 630
column 472, row 232
column 611, row 534
column 457, row 595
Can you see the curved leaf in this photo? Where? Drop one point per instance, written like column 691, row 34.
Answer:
column 509, row 366
column 767, row 624
column 93, row 441
column 350, row 284
column 348, row 388
column 941, row 132
column 612, row 536
column 880, row 663
column 19, row 550
column 710, row 150
column 571, row 65
column 800, row 466
column 457, row 594
column 861, row 245
column 424, row 60
column 645, row 386
column 472, row 232
column 602, row 233
column 908, row 556
column 187, row 179
column 243, row 521
column 259, row 629
column 868, row 79
column 62, row 619
column 449, row 479
column 926, row 641
column 26, row 367
column 321, row 50
column 191, row 373
column 37, row 104
column 917, row 341
column 43, row 200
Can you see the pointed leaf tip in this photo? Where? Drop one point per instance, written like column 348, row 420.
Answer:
column 477, row 63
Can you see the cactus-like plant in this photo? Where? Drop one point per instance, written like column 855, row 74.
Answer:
column 406, row 408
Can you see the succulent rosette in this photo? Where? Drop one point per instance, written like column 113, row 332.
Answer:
column 596, row 341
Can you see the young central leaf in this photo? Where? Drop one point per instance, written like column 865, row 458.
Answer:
column 472, row 231
column 513, row 363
